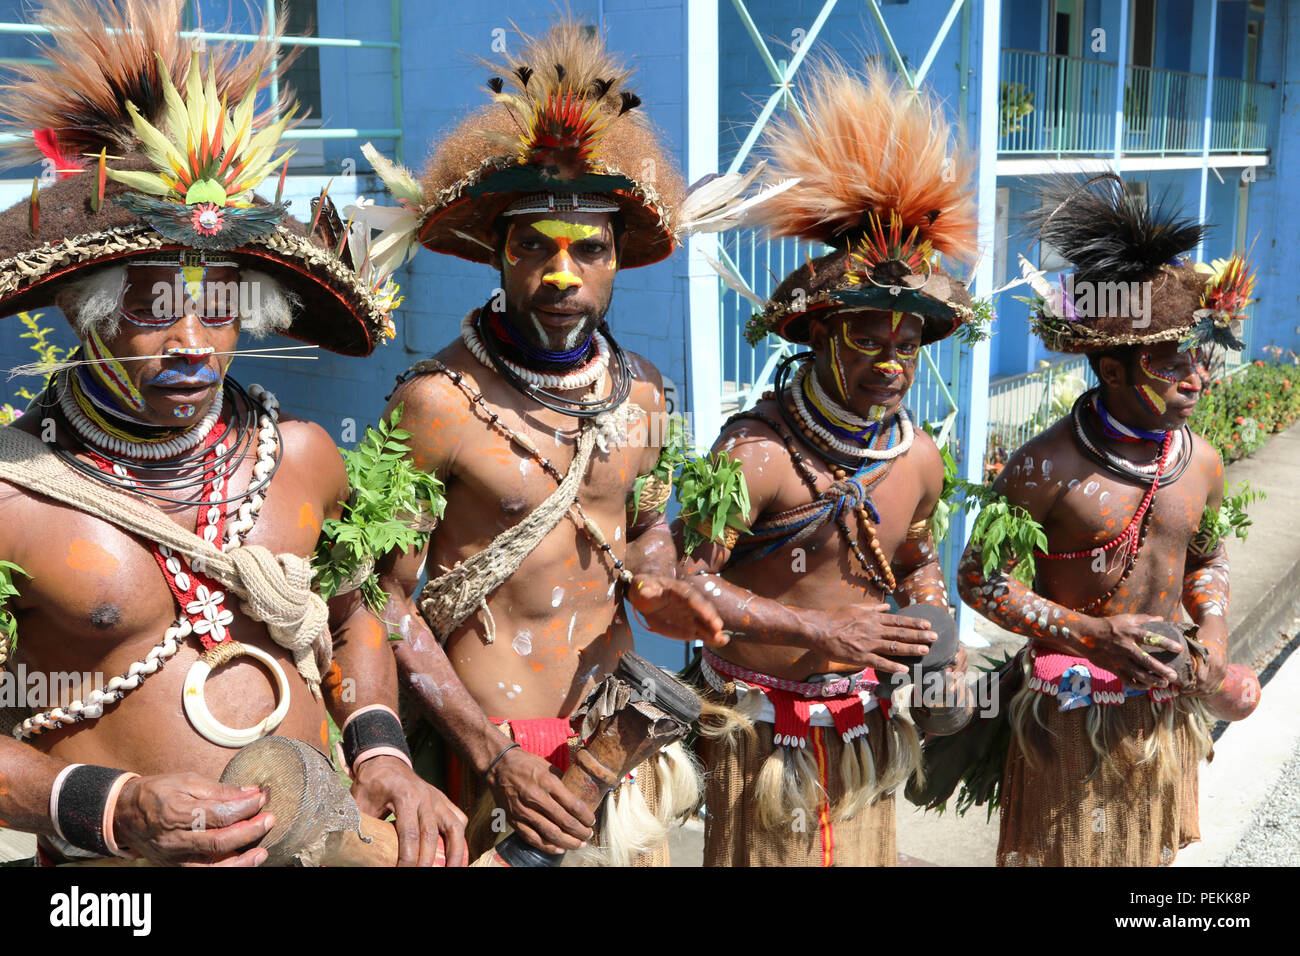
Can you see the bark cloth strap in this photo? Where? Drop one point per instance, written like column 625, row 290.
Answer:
column 274, row 588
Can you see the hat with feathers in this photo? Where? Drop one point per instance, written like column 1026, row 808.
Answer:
column 563, row 121
column 156, row 148
column 878, row 181
column 1117, row 243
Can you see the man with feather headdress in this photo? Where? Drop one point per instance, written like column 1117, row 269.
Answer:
column 541, row 426
column 821, row 727
column 155, row 247
column 1110, row 721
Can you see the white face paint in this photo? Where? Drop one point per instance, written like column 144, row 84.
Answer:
column 523, row 643
column 557, row 595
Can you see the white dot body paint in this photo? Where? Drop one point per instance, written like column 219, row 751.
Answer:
column 618, row 532
column 1091, row 488
column 427, row 688
column 404, row 626
column 523, row 466
column 1047, row 468
column 557, row 595
column 1101, row 498
column 523, row 643
column 516, row 688
column 573, row 620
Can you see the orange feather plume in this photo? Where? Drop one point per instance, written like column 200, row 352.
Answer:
column 867, row 153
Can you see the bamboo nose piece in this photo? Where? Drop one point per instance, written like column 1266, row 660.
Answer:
column 954, row 710
column 629, row 717
column 317, row 823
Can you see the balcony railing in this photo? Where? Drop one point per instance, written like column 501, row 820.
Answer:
column 1061, row 105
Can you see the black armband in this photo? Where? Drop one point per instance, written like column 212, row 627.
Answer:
column 82, row 804
column 373, row 731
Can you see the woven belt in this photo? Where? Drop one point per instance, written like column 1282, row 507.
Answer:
column 864, row 679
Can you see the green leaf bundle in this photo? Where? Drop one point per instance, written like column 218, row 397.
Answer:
column 714, row 497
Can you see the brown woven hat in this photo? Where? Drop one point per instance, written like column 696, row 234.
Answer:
column 124, row 86
column 565, row 125
column 879, row 181
column 1132, row 282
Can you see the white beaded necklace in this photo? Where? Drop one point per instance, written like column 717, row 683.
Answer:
column 213, row 614
column 581, row 377
column 92, row 434
column 849, row 449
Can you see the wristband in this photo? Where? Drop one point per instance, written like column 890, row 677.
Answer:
column 82, row 802
column 373, row 731
column 509, row 747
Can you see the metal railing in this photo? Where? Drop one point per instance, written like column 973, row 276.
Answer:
column 1062, row 105
column 306, row 132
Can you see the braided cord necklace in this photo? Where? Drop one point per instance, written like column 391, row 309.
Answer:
column 525, row 444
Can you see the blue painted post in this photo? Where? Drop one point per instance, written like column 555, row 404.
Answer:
column 1206, row 119
column 973, row 399
column 704, row 371
column 1121, row 75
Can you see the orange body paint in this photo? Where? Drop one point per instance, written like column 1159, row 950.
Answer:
column 307, row 517
column 87, row 556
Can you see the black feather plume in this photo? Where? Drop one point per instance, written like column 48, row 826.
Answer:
column 559, row 71
column 630, row 101
column 525, row 73
column 1108, row 234
column 600, row 87
column 496, row 84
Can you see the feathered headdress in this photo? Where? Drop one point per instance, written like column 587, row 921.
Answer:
column 563, row 126
column 878, row 179
column 1132, row 281
column 157, row 148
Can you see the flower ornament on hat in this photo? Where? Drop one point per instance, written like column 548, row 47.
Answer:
column 870, row 170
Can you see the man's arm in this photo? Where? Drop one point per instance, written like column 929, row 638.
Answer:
column 363, row 675
column 916, row 562
column 854, row 635
column 1118, row 642
column 1206, row 591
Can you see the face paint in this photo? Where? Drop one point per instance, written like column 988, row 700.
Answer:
column 108, row 371
column 184, row 411
column 895, row 319
column 1170, row 377
column 870, row 350
column 566, row 232
column 838, row 371
column 511, row 258
column 192, row 354
column 876, row 413
column 193, row 277
column 1151, row 399
column 563, row 280
column 889, row 368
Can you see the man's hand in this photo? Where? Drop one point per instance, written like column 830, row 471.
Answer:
column 537, row 804
column 187, row 819
column 857, row 635
column 1210, row 672
column 426, row 820
column 675, row 609
column 1122, row 644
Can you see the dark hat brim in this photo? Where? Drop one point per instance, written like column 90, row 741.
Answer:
column 465, row 224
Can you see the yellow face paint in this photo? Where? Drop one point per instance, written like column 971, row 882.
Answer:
column 110, row 373
column 193, row 278
column 1144, row 361
column 838, row 371
column 563, row 280
column 895, row 318
column 1151, row 399
column 871, row 350
column 876, row 413
column 558, row 229
column 889, row 368
column 511, row 258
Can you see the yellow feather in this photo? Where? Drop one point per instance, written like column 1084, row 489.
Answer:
column 150, row 183
column 157, row 147
column 194, row 98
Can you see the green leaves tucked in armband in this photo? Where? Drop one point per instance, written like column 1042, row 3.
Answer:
column 393, row 506
column 1004, row 532
column 8, row 623
column 1229, row 518
column 655, row 486
column 714, row 500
